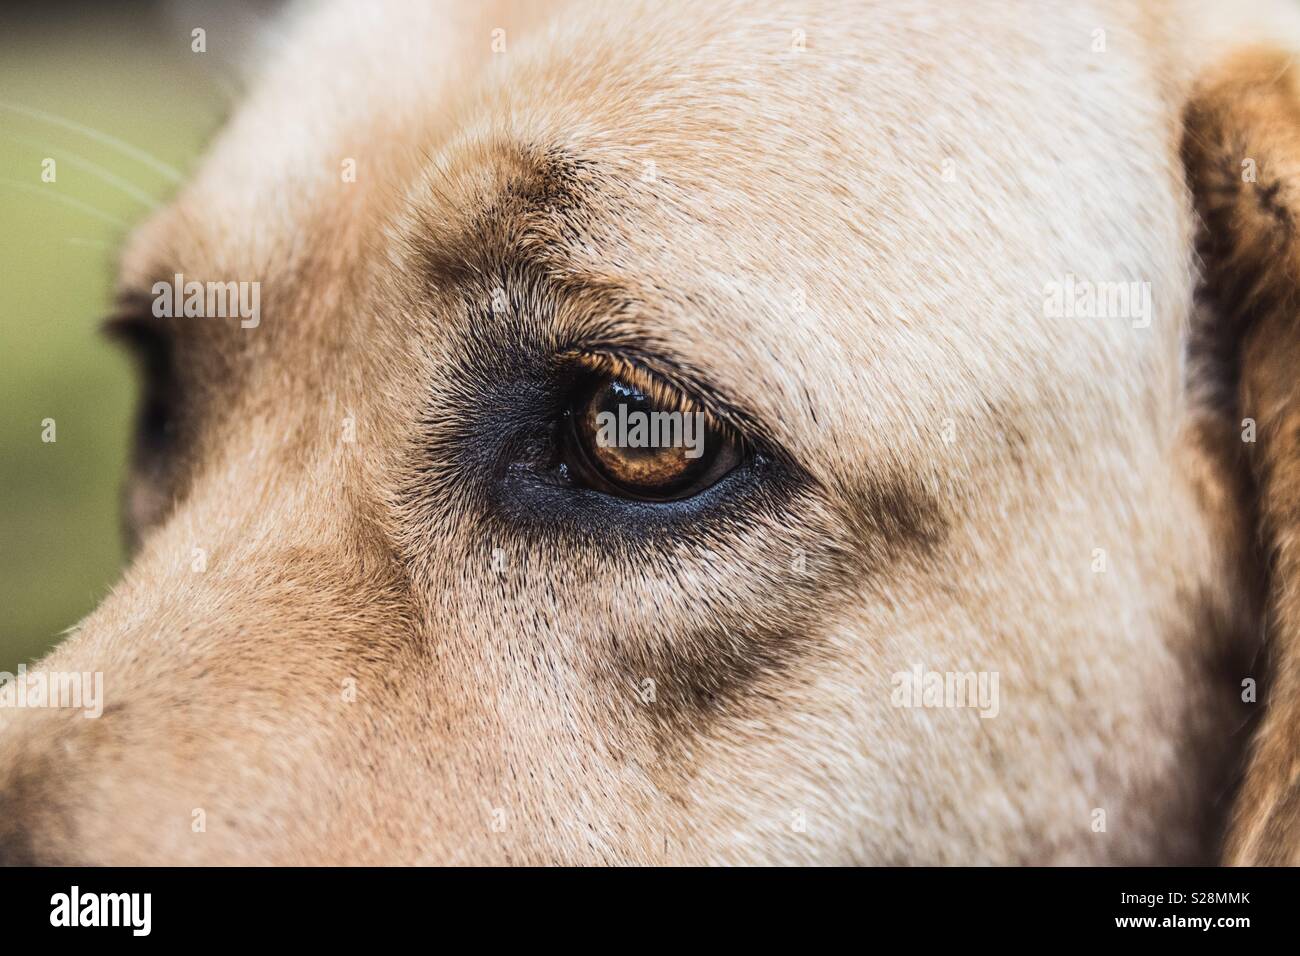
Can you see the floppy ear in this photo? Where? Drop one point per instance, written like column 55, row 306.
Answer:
column 1242, row 152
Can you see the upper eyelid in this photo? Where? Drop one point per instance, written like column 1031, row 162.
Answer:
column 746, row 425
column 656, row 386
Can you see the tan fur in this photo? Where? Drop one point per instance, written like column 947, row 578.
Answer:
column 512, row 697
column 1250, row 106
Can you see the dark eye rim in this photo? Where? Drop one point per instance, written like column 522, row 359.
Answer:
column 486, row 449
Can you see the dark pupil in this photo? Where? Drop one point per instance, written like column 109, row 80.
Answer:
column 653, row 454
column 633, row 400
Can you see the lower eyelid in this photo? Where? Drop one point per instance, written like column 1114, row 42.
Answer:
column 541, row 498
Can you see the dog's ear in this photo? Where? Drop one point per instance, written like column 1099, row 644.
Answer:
column 1241, row 147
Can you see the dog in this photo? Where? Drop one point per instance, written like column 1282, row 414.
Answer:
column 986, row 312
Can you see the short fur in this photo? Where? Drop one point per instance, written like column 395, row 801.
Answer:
column 750, row 199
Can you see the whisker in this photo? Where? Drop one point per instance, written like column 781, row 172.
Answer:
column 77, row 161
column 101, row 137
column 66, row 200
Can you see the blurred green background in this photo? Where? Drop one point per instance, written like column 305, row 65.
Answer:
column 75, row 80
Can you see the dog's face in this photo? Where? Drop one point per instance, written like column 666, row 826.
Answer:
column 394, row 602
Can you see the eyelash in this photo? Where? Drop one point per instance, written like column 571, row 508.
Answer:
column 661, row 388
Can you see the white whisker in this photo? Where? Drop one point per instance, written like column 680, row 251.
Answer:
column 66, row 200
column 76, row 160
column 88, row 131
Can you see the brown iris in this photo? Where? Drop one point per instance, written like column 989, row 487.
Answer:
column 645, row 441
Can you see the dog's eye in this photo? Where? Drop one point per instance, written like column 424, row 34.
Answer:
column 639, row 440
